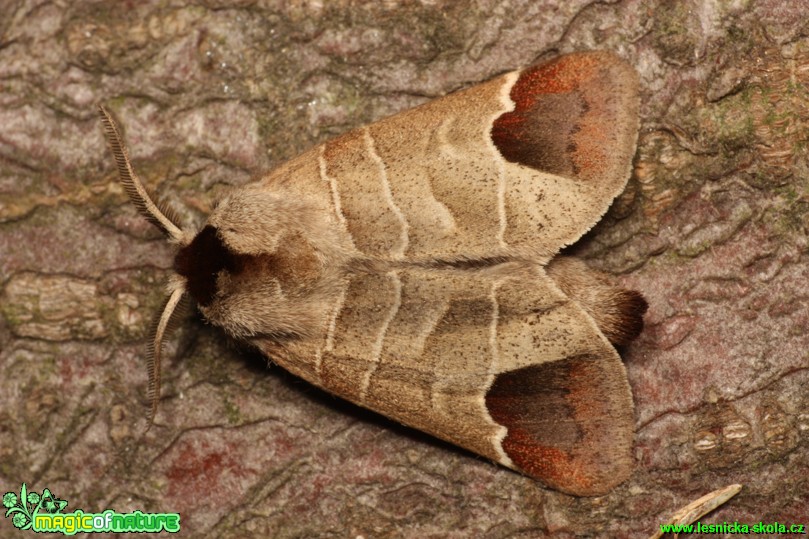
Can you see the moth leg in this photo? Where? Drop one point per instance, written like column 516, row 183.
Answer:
column 617, row 312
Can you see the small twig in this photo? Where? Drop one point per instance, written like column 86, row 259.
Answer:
column 699, row 508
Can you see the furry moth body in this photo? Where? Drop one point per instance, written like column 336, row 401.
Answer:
column 410, row 266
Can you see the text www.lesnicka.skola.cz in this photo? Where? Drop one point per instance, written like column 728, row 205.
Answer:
column 735, row 528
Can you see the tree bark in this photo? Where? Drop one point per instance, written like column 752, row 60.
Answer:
column 712, row 230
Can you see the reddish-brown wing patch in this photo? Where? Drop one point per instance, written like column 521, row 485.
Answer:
column 569, row 422
column 575, row 116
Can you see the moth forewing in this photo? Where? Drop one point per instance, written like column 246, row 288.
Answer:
column 499, row 362
column 408, row 266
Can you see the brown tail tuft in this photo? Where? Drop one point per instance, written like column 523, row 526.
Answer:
column 626, row 320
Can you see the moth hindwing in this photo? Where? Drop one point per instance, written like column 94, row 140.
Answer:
column 411, row 266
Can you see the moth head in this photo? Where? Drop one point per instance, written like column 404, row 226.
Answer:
column 255, row 244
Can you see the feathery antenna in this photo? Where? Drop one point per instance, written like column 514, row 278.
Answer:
column 164, row 325
column 162, row 216
column 166, row 220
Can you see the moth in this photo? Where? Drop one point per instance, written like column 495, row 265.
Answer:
column 412, row 267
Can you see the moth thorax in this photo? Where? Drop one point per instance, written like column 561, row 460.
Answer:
column 209, row 265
